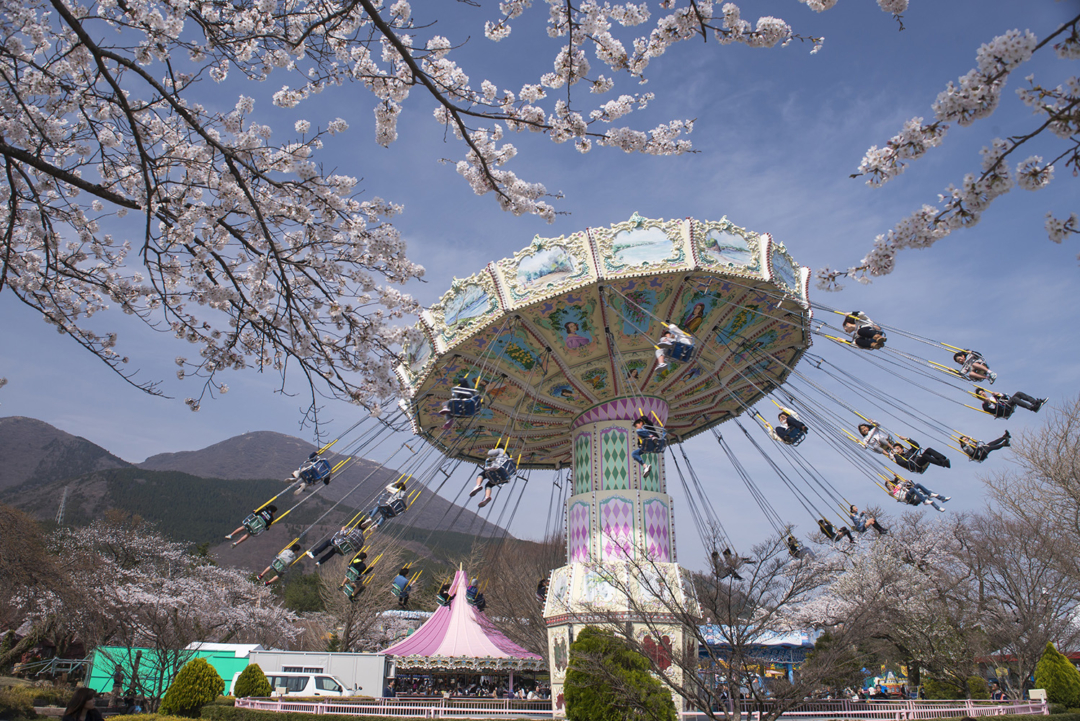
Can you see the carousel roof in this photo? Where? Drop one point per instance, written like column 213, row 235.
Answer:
column 458, row 636
column 569, row 323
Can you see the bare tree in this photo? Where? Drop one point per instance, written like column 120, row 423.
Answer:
column 738, row 616
column 357, row 622
column 1024, row 598
column 513, row 571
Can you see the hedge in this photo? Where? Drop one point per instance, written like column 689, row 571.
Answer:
column 18, row 702
column 215, row 712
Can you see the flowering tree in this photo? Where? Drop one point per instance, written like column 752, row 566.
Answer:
column 130, row 587
column 124, row 183
column 974, row 96
column 911, row 590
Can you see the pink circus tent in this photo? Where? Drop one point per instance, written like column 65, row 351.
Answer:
column 459, row 637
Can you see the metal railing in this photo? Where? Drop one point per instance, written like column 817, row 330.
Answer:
column 466, row 707
column 891, row 710
column 408, row 707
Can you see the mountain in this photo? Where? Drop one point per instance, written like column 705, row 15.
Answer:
column 199, row 496
column 34, row 451
column 260, row 454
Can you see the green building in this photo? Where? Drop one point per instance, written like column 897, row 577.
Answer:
column 155, row 669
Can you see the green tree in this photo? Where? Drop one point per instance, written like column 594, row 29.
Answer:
column 978, row 688
column 941, row 689
column 608, row 681
column 300, row 593
column 252, row 682
column 844, row 664
column 196, row 685
column 1059, row 677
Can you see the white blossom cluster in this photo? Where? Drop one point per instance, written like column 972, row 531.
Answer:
column 129, row 188
column 974, row 96
column 129, row 583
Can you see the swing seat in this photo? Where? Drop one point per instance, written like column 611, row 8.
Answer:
column 351, row 574
column 471, row 594
column 314, row 471
column 681, row 352
column 654, row 445
column 347, row 547
column 394, row 508
column 254, row 524
column 279, row 566
column 442, row 599
column 398, row 590
column 351, row 589
column 795, row 437
column 501, row 471
column 464, row 407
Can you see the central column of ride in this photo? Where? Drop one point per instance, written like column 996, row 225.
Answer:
column 620, row 544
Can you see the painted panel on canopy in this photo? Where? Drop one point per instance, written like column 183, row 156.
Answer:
column 512, row 351
column 470, row 304
column 418, row 353
column 697, row 299
column 564, row 391
column 639, row 246
column 721, row 245
column 633, row 309
column 595, row 376
column 785, row 269
column 547, row 266
column 572, row 325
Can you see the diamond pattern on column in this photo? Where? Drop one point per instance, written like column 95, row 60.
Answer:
column 617, row 528
column 579, row 531
column 582, row 463
column 657, row 530
column 613, row 459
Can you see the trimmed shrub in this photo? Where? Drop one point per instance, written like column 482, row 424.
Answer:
column 597, row 655
column 196, row 685
column 225, row 713
column 16, row 705
column 1059, row 677
column 252, row 682
column 978, row 688
column 940, row 690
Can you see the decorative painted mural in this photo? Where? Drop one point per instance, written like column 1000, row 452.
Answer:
column 785, row 270
column 535, row 324
column 729, row 248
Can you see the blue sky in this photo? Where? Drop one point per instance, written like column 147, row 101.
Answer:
column 778, row 132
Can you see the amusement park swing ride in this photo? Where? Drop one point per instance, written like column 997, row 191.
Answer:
column 596, row 354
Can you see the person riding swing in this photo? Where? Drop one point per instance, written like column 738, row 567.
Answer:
column 915, row 458
column 978, row 451
column 465, row 402
column 401, row 587
column 499, row 468
column 347, row 541
column 256, row 522
column 674, row 344
column 314, row 470
column 353, row 585
column 865, row 333
column 833, row 534
column 973, row 367
column 790, row 430
column 650, row 440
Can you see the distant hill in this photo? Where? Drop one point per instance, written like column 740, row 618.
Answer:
column 261, row 454
column 32, row 450
column 189, row 506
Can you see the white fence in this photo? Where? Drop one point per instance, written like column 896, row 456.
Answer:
column 466, row 708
